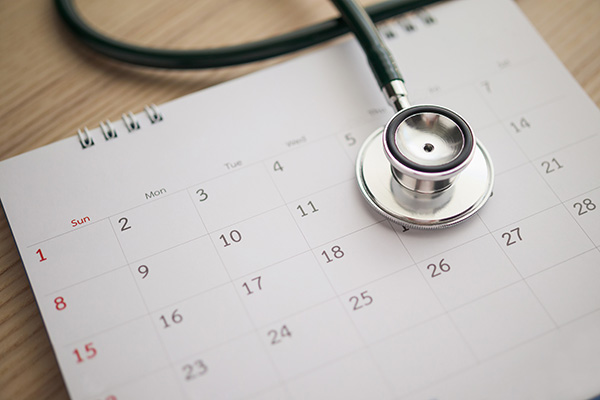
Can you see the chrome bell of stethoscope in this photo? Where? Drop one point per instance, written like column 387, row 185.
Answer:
column 424, row 169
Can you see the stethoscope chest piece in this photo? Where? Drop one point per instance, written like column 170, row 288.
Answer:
column 430, row 171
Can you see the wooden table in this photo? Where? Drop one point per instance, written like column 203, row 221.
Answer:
column 51, row 86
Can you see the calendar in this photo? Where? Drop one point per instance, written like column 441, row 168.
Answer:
column 218, row 247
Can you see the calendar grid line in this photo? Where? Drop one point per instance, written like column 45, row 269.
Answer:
column 91, row 223
column 249, row 316
column 513, row 139
column 429, row 256
column 533, row 214
column 494, row 356
column 581, row 194
column 489, row 73
column 328, row 363
column 213, row 347
column 570, row 214
column 524, row 280
column 272, row 265
column 580, row 317
column 103, row 331
column 558, row 264
column 482, row 361
column 187, row 298
column 567, row 146
column 442, row 305
column 124, row 384
column 493, row 72
column 150, row 255
column 339, row 300
column 376, row 280
column 475, row 299
column 332, row 186
column 445, row 312
column 585, row 232
column 532, row 339
column 501, row 120
column 255, row 395
column 49, row 294
column 145, row 303
column 490, row 358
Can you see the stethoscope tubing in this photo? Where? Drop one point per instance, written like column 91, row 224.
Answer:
column 225, row 56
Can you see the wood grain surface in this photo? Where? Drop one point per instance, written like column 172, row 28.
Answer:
column 50, row 85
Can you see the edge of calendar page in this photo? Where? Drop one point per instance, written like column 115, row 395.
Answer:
column 72, row 142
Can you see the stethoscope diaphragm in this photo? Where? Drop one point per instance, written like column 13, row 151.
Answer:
column 425, row 169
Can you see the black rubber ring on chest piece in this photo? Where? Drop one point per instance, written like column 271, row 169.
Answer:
column 392, row 126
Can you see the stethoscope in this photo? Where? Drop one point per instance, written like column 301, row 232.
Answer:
column 423, row 169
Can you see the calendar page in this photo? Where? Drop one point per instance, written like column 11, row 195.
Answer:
column 218, row 247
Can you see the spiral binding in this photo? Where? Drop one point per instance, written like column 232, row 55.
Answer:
column 85, row 138
column 108, row 130
column 153, row 114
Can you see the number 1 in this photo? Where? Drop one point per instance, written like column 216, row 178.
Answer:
column 39, row 253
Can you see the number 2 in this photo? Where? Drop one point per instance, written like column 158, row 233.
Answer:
column 124, row 221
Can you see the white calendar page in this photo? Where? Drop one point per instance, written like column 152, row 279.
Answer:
column 226, row 252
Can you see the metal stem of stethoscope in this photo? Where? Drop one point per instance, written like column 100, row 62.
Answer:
column 424, row 169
